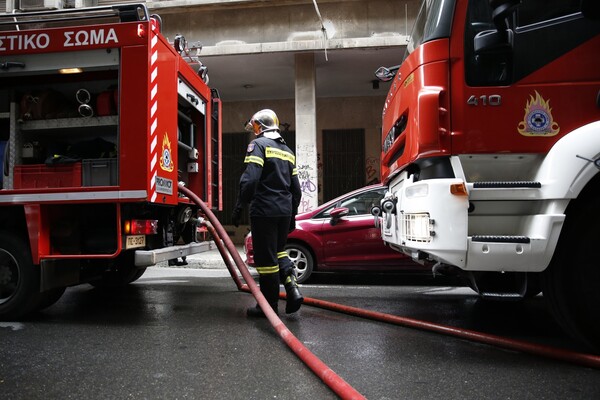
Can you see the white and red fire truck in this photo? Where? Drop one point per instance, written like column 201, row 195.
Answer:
column 491, row 151
column 101, row 119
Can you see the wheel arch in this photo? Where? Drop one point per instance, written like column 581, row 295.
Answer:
column 13, row 216
column 569, row 166
column 591, row 189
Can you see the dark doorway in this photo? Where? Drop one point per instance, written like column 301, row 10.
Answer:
column 234, row 151
column 343, row 161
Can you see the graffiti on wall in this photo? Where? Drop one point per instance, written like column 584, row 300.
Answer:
column 308, row 186
column 308, row 177
column 319, row 166
column 372, row 170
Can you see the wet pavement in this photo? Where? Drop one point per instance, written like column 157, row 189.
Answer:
column 182, row 333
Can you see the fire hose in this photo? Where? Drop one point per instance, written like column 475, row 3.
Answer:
column 329, row 377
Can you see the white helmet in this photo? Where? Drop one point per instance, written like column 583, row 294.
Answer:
column 263, row 121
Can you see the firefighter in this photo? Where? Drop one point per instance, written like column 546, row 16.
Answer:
column 270, row 186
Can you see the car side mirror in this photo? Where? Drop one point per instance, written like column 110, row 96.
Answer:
column 337, row 213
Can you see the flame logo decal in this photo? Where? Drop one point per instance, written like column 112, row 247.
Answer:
column 166, row 161
column 538, row 119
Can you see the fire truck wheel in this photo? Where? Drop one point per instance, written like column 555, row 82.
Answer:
column 118, row 278
column 19, row 278
column 302, row 259
column 123, row 274
column 50, row 297
column 534, row 285
column 570, row 284
column 137, row 275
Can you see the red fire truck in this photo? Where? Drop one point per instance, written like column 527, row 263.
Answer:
column 102, row 119
column 491, row 151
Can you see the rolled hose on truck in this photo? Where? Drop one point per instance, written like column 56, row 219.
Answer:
column 337, row 384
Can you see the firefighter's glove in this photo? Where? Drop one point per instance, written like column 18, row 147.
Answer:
column 236, row 216
column 292, row 224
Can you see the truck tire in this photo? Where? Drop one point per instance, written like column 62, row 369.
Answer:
column 571, row 281
column 19, row 278
column 124, row 273
column 50, row 297
column 302, row 259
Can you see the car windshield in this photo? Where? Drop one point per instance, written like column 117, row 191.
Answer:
column 433, row 22
column 358, row 204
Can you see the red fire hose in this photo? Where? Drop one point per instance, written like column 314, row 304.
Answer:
column 224, row 255
column 587, row 360
column 331, row 379
column 328, row 376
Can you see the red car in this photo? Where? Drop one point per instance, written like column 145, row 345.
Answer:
column 340, row 236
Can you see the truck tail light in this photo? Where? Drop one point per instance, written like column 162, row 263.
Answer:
column 140, row 227
column 141, row 31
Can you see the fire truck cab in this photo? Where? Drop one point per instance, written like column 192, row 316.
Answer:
column 491, row 148
column 101, row 120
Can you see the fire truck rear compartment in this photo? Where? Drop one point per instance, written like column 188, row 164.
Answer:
column 82, row 228
column 83, row 239
column 60, row 128
column 88, row 151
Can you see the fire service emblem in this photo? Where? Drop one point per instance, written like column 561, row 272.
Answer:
column 538, row 119
column 166, row 161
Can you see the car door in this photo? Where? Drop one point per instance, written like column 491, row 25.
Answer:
column 353, row 240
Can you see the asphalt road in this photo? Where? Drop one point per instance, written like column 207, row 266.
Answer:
column 183, row 334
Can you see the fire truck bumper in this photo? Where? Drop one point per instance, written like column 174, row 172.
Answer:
column 430, row 219
column 420, row 222
column 146, row 258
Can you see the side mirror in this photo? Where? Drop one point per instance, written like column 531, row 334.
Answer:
column 386, row 74
column 501, row 10
column 501, row 38
column 493, row 41
column 337, row 213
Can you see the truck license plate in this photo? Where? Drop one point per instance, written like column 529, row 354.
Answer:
column 135, row 241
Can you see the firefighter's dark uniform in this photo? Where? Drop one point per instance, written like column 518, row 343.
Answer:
column 270, row 185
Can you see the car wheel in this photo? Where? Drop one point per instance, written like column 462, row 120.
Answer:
column 302, row 259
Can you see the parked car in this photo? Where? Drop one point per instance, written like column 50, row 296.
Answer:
column 340, row 236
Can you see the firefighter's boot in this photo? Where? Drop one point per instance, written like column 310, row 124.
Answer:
column 269, row 287
column 294, row 298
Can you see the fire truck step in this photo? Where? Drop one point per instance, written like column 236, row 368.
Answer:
column 147, row 258
column 506, row 184
column 500, row 295
column 500, row 239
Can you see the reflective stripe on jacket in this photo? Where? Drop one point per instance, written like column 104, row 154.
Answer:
column 270, row 182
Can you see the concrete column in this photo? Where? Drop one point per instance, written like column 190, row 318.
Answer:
column 306, row 130
column 10, row 6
